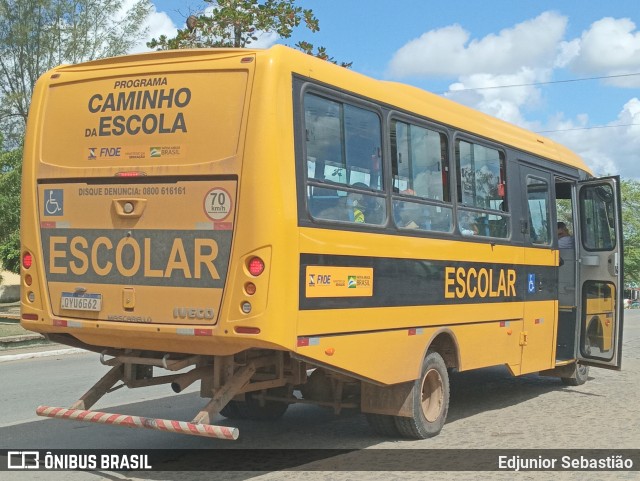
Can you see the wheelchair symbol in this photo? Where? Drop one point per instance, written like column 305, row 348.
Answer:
column 532, row 283
column 53, row 204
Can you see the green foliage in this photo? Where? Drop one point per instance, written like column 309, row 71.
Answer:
column 630, row 190
column 37, row 35
column 237, row 24
column 10, row 173
column 321, row 53
column 10, row 252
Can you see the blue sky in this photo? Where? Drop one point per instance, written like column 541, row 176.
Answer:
column 453, row 47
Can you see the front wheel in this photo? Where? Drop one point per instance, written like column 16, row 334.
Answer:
column 430, row 400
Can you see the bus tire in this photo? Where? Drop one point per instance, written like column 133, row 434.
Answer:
column 581, row 376
column 430, row 400
column 270, row 411
column 383, row 425
column 234, row 410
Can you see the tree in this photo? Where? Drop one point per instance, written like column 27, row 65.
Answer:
column 237, row 23
column 630, row 191
column 10, row 173
column 36, row 35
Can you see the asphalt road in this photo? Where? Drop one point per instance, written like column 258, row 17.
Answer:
column 489, row 409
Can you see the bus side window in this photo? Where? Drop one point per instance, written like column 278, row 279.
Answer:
column 420, row 167
column 321, row 198
column 343, row 149
column 481, row 180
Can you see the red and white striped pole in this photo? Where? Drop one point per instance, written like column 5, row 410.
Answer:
column 180, row 427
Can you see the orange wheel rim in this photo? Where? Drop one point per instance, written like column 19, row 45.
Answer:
column 432, row 395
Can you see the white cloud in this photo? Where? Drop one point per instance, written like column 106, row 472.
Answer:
column 613, row 149
column 504, row 103
column 265, row 40
column 528, row 53
column 157, row 24
column 610, row 44
column 609, row 47
column 448, row 52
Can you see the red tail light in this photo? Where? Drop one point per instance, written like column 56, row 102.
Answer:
column 256, row 266
column 27, row 260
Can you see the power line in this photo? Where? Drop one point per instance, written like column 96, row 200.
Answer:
column 585, row 128
column 545, row 83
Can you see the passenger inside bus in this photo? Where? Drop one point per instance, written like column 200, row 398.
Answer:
column 355, row 207
column 565, row 239
column 468, row 225
column 410, row 215
column 347, row 209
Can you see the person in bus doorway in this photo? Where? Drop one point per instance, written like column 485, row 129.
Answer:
column 565, row 239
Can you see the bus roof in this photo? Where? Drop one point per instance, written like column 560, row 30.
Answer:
column 428, row 105
column 402, row 96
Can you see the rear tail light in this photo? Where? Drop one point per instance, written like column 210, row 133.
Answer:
column 255, row 266
column 27, row 260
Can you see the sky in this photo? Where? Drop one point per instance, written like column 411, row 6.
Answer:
column 568, row 69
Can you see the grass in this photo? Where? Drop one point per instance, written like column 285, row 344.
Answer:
column 9, row 328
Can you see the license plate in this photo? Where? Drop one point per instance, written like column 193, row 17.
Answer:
column 81, row 302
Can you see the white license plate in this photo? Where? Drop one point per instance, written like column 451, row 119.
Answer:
column 81, row 302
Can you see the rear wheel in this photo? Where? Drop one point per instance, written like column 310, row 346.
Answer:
column 383, row 424
column 580, row 377
column 430, row 402
column 252, row 408
column 268, row 410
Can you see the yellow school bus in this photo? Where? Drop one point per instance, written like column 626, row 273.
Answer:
column 281, row 229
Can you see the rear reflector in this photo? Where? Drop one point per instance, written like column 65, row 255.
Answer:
column 185, row 331
column 30, row 317
column 246, row 330
column 130, row 174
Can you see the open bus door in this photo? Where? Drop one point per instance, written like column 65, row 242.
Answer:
column 600, row 307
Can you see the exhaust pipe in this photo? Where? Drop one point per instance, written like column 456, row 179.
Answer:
column 185, row 380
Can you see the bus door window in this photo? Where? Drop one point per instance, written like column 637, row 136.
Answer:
column 538, row 202
column 598, row 236
column 344, row 161
column 566, row 245
column 482, row 196
column 420, row 168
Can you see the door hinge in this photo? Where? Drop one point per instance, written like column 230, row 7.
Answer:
column 523, row 338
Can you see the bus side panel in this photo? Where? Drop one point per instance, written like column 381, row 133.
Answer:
column 392, row 357
column 540, row 310
column 540, row 336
